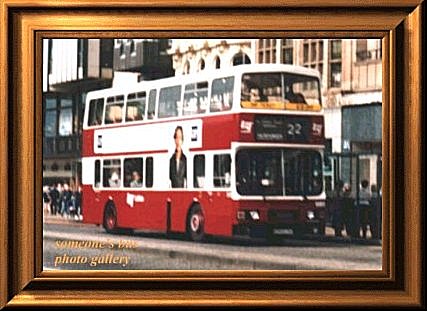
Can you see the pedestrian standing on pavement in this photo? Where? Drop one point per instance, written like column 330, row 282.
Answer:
column 66, row 201
column 364, row 205
column 348, row 211
column 337, row 205
column 46, row 200
column 78, row 202
column 54, row 196
column 60, row 189
column 376, row 212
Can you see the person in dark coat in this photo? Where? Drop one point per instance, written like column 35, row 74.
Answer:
column 54, row 196
column 66, row 200
column 178, row 162
column 337, row 205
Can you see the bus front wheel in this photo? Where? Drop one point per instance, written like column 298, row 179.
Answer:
column 196, row 224
column 110, row 218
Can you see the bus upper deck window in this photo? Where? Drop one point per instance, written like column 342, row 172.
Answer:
column 114, row 109
column 195, row 98
column 169, row 102
column 136, row 106
column 221, row 94
column 152, row 104
column 96, row 108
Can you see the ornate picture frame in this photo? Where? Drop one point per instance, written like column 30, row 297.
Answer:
column 402, row 27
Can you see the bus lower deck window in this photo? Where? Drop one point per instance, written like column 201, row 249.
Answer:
column 222, row 170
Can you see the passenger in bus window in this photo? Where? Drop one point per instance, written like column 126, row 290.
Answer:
column 114, row 180
column 136, row 180
column 294, row 97
column 178, row 162
column 254, row 95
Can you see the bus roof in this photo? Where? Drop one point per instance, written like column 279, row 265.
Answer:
column 209, row 74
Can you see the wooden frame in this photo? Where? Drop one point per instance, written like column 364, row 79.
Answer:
column 399, row 284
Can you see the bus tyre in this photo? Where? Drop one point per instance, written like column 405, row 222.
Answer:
column 110, row 218
column 196, row 224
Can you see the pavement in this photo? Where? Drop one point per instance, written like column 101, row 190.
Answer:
column 329, row 231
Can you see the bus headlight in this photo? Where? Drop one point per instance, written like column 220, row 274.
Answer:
column 310, row 214
column 240, row 215
column 255, row 215
column 248, row 215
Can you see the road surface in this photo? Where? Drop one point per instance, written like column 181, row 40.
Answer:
column 72, row 245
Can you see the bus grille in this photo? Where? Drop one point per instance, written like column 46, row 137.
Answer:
column 281, row 216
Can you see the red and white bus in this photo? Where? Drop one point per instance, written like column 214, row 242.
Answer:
column 249, row 161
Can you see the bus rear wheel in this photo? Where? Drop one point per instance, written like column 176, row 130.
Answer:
column 110, row 218
column 196, row 224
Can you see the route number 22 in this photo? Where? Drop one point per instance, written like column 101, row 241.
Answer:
column 294, row 129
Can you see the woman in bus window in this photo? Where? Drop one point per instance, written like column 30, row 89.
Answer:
column 136, row 180
column 177, row 163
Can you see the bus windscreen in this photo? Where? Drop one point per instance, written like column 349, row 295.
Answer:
column 280, row 91
column 278, row 172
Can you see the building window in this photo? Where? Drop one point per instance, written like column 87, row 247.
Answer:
column 122, row 50
column 217, row 62
column 66, row 118
column 79, row 52
column 50, row 58
column 368, row 50
column 305, row 53
column 186, row 68
column 313, row 56
column 287, row 51
column 335, row 50
column 266, row 50
column 241, row 58
column 201, row 64
column 335, row 74
column 320, row 51
column 50, row 117
column 335, row 63
column 132, row 48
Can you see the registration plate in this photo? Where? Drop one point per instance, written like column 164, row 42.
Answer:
column 283, row 231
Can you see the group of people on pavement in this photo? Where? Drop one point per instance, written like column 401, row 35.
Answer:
column 356, row 214
column 63, row 200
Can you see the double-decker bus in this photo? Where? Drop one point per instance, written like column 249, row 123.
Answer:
column 223, row 152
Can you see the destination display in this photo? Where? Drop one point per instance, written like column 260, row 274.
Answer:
column 272, row 128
